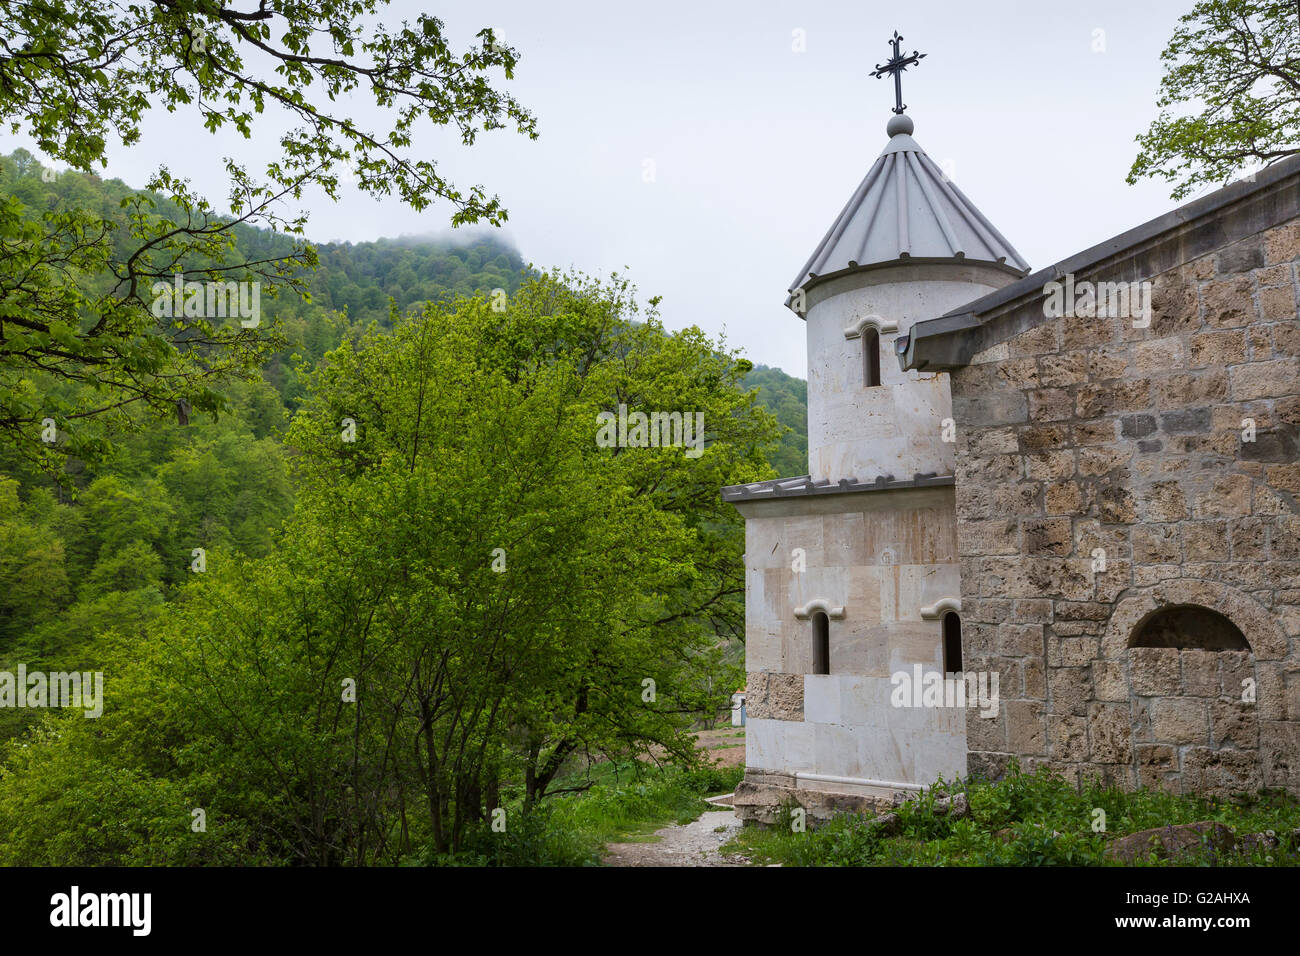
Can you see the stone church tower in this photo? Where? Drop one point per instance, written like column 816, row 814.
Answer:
column 1096, row 502
column 852, row 569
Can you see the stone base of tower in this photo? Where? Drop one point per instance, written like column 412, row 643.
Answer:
column 761, row 797
column 846, row 591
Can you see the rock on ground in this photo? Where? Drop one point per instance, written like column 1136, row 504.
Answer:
column 1171, row 841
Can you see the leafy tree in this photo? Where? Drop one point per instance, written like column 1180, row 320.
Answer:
column 107, row 549
column 33, row 578
column 476, row 689
column 379, row 681
column 786, row 398
column 619, row 564
column 1230, row 96
column 81, row 294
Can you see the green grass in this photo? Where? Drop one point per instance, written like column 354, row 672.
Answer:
column 1049, row 823
column 608, row 813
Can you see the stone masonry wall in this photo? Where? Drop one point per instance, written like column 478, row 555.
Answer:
column 1088, row 440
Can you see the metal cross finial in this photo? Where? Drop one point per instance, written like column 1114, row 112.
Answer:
column 896, row 66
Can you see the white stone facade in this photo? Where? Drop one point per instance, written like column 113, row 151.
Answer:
column 882, row 563
column 895, row 428
column 882, row 557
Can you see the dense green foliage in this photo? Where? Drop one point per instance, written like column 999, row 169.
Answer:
column 106, row 553
column 331, row 563
column 786, row 398
column 103, row 545
column 359, row 279
column 351, row 284
column 1036, row 819
column 91, row 340
column 365, row 682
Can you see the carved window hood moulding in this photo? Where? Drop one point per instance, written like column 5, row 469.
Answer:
column 873, row 321
column 940, row 607
column 821, row 604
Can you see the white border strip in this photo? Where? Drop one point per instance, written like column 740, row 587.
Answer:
column 857, row 781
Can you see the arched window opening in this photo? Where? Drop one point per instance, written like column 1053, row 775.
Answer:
column 1188, row 626
column 871, row 357
column 821, row 656
column 952, row 643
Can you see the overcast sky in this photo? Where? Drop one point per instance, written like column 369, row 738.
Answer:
column 756, row 147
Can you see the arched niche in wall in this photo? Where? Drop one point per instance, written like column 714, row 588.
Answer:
column 1259, row 627
column 1188, row 626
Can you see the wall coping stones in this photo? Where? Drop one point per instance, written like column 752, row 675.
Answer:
column 804, row 485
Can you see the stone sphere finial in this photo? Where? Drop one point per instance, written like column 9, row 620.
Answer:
column 900, row 123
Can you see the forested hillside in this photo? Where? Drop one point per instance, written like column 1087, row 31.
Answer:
column 785, row 397
column 219, row 541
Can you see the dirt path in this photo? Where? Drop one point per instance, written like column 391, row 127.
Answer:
column 725, row 746
column 691, row 844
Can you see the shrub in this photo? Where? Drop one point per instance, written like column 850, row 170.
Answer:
column 1037, row 819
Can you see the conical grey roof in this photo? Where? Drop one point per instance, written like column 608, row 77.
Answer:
column 905, row 208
